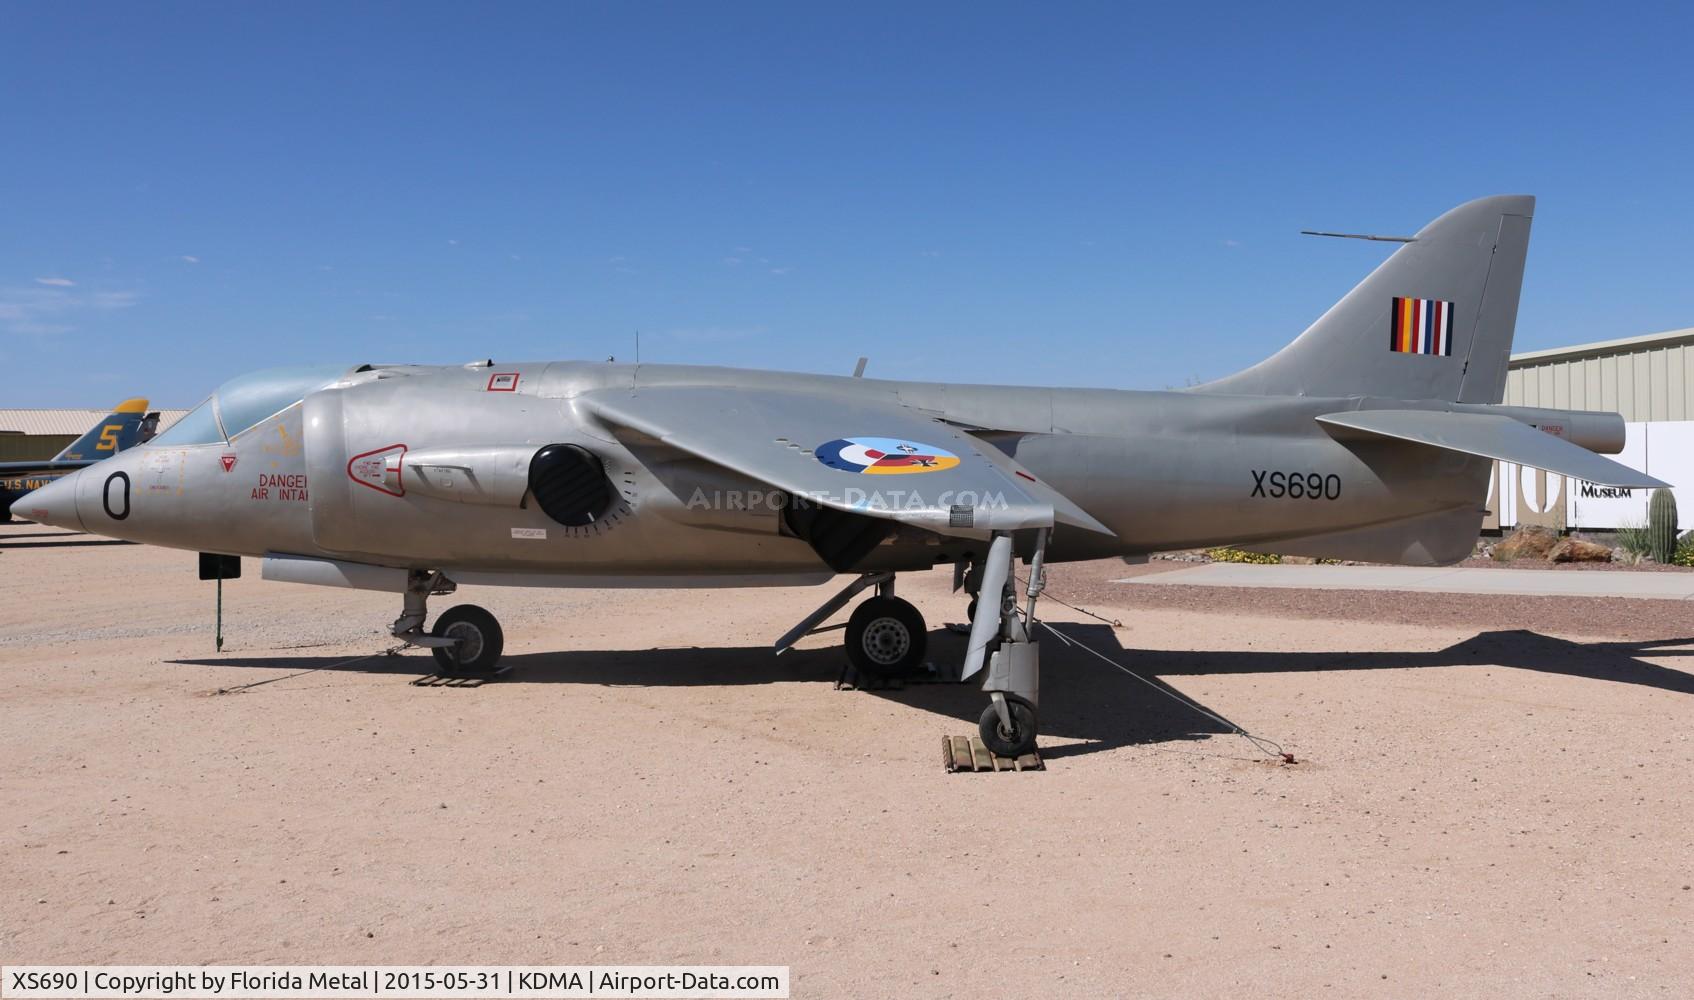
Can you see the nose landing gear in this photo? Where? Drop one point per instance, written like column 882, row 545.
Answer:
column 465, row 640
column 476, row 640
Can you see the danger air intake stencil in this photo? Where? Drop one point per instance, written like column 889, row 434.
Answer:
column 881, row 456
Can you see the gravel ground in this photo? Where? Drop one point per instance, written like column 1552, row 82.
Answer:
column 1491, row 797
column 1618, row 618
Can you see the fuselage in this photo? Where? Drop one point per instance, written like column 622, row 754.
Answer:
column 19, row 479
column 1161, row 470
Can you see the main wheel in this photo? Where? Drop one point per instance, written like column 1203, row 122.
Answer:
column 1020, row 740
column 480, row 640
column 886, row 637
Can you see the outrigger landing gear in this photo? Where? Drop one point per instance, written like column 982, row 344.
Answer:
column 1002, row 638
column 464, row 640
column 886, row 638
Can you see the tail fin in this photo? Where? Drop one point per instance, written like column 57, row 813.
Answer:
column 1435, row 321
column 120, row 429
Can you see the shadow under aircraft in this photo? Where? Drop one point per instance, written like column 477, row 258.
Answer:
column 1098, row 705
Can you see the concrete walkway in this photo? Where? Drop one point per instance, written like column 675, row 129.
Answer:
column 1444, row 580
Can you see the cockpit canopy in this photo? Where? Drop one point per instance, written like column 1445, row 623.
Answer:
column 248, row 399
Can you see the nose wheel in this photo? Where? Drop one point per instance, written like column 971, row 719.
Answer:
column 464, row 640
column 475, row 640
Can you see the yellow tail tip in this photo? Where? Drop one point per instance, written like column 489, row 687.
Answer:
column 136, row 405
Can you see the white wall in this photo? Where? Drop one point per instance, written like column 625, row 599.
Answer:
column 1663, row 448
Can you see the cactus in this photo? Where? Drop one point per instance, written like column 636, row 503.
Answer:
column 1661, row 526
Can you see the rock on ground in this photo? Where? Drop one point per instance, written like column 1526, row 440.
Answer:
column 1575, row 549
column 1526, row 543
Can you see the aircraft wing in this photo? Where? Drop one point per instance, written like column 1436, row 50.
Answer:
column 873, row 457
column 1491, row 436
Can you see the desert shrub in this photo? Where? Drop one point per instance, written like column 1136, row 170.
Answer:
column 1684, row 555
column 1239, row 556
column 1635, row 540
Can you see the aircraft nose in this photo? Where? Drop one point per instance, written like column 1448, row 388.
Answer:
column 55, row 503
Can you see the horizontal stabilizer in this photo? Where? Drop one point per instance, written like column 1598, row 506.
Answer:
column 1491, row 436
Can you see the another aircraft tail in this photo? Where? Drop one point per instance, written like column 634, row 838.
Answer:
column 1434, row 321
column 121, row 429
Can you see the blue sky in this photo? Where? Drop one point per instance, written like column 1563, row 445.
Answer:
column 1094, row 194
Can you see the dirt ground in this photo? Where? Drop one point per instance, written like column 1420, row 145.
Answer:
column 1493, row 795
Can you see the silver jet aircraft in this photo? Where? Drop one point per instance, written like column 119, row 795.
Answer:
column 1371, row 436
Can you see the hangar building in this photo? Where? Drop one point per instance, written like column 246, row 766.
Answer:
column 1650, row 380
column 30, row 435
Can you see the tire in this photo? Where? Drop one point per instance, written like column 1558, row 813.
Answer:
column 1016, row 743
column 886, row 638
column 482, row 640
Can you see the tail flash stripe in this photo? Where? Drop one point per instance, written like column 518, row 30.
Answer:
column 1420, row 326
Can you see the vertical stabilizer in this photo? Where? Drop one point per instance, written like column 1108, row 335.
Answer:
column 120, row 429
column 1434, row 321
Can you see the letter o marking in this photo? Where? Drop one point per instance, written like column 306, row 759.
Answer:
column 112, row 510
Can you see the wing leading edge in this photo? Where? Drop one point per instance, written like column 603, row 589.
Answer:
column 865, row 456
column 1492, row 436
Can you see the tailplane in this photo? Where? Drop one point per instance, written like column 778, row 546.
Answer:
column 1434, row 321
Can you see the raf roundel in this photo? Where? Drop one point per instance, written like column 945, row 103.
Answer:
column 881, row 456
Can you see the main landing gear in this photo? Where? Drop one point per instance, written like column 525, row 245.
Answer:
column 886, row 638
column 465, row 640
column 1001, row 637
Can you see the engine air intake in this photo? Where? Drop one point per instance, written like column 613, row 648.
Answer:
column 569, row 484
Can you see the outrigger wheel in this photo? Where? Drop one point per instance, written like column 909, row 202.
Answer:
column 479, row 640
column 1016, row 742
column 886, row 638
